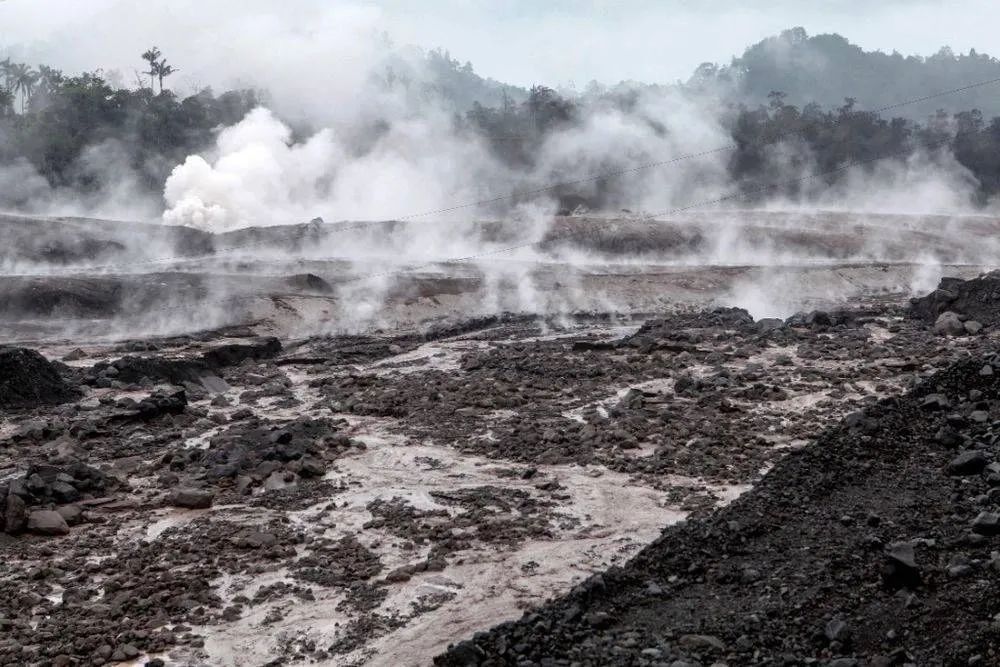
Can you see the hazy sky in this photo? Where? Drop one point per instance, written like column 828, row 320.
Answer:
column 519, row 41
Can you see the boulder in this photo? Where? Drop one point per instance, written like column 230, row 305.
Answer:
column 971, row 462
column 15, row 514
column 190, row 498
column 976, row 298
column 235, row 353
column 47, row 522
column 901, row 570
column 949, row 324
column 769, row 324
column 71, row 514
column 972, row 327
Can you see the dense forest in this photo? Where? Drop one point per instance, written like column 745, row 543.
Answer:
column 826, row 141
column 824, row 69
column 50, row 119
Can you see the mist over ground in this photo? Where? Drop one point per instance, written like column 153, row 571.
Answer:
column 337, row 121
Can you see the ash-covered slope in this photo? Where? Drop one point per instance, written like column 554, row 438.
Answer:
column 39, row 242
column 877, row 545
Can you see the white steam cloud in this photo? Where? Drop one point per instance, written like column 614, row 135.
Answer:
column 341, row 140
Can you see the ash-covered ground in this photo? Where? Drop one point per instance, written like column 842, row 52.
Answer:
column 245, row 457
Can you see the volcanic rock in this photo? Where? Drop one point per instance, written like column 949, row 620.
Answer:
column 978, row 299
column 986, row 523
column 309, row 282
column 27, row 379
column 47, row 522
column 191, row 498
column 949, row 324
column 972, row 327
column 235, row 353
column 769, row 324
column 971, row 462
column 133, row 369
column 15, row 514
column 72, row 514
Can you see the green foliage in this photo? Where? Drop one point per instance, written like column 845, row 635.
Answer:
column 66, row 115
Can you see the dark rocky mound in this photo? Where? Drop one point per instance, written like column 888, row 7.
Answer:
column 49, row 484
column 977, row 299
column 261, row 453
column 133, row 369
column 136, row 369
column 231, row 354
column 27, row 379
column 23, row 499
column 729, row 318
column 877, row 545
column 309, row 282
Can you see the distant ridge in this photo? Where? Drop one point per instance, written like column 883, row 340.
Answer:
column 824, row 69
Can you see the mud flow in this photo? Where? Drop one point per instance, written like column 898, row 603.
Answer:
column 674, row 457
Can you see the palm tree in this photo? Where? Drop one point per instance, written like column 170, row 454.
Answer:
column 152, row 57
column 163, row 70
column 24, row 79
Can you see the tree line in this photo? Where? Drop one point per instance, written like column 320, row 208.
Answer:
column 49, row 119
column 825, row 68
column 821, row 141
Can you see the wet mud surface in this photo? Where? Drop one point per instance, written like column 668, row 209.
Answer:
column 195, row 471
column 227, row 498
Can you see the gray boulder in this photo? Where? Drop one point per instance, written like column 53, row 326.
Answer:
column 15, row 515
column 195, row 499
column 72, row 514
column 949, row 324
column 47, row 522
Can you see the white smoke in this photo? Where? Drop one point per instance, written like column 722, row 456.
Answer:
column 258, row 178
column 259, row 175
column 118, row 194
column 344, row 137
column 919, row 185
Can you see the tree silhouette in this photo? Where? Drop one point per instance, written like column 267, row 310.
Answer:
column 23, row 82
column 152, row 56
column 163, row 70
column 159, row 69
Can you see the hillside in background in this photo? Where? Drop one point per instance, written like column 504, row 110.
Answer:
column 88, row 135
column 825, row 69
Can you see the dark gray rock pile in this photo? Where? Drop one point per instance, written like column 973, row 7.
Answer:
column 27, row 380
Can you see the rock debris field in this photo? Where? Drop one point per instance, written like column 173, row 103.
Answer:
column 689, row 488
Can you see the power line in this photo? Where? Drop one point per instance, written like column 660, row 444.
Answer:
column 681, row 209
column 646, row 218
column 681, row 158
column 343, row 227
